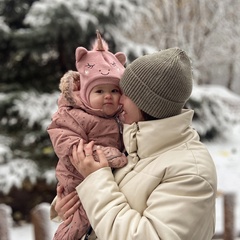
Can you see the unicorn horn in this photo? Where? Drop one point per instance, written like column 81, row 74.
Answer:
column 100, row 44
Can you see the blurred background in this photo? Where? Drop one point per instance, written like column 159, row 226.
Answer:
column 38, row 39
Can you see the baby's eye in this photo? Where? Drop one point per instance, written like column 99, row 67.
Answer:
column 99, row 91
column 113, row 63
column 116, row 90
column 90, row 65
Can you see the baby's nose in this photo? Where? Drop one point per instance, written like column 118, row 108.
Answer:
column 108, row 95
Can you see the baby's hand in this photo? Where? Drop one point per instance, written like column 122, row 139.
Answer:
column 115, row 158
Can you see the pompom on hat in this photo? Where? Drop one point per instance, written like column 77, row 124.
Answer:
column 159, row 83
column 98, row 66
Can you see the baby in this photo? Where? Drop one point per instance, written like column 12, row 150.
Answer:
column 88, row 109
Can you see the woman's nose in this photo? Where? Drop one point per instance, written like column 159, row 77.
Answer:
column 121, row 100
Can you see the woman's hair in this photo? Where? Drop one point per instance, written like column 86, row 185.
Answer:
column 148, row 117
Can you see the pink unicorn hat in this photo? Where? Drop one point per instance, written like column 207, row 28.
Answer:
column 98, row 66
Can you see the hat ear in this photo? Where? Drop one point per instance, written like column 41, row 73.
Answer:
column 121, row 57
column 80, row 52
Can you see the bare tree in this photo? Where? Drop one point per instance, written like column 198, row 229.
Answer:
column 233, row 26
column 207, row 30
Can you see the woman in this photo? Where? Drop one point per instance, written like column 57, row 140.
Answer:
column 167, row 190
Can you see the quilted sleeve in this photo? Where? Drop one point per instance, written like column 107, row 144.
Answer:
column 66, row 130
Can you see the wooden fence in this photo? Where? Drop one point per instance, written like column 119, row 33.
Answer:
column 230, row 232
column 41, row 222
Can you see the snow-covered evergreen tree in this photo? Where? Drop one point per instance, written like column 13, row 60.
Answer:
column 216, row 109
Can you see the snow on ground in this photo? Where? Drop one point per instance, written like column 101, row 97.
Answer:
column 226, row 155
column 26, row 232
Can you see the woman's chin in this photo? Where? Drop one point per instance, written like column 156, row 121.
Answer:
column 122, row 117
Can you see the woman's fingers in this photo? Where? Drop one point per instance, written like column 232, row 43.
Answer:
column 68, row 216
column 67, row 205
column 71, row 207
column 60, row 191
column 88, row 149
column 102, row 158
column 80, row 149
column 74, row 158
column 68, row 220
column 78, row 154
column 83, row 160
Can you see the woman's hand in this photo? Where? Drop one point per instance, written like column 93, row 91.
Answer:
column 67, row 205
column 82, row 159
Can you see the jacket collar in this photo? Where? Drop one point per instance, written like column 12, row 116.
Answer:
column 148, row 138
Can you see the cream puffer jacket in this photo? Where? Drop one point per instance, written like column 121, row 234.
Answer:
column 167, row 190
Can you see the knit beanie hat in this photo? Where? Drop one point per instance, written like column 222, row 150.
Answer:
column 98, row 66
column 159, row 83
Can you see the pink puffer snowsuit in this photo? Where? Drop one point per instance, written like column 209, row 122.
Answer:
column 75, row 120
column 68, row 126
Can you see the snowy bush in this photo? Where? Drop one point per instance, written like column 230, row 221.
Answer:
column 216, row 109
column 26, row 116
column 35, row 108
column 5, row 151
column 15, row 172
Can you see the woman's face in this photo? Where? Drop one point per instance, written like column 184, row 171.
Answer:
column 131, row 113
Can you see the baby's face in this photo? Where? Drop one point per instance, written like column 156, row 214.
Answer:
column 105, row 97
